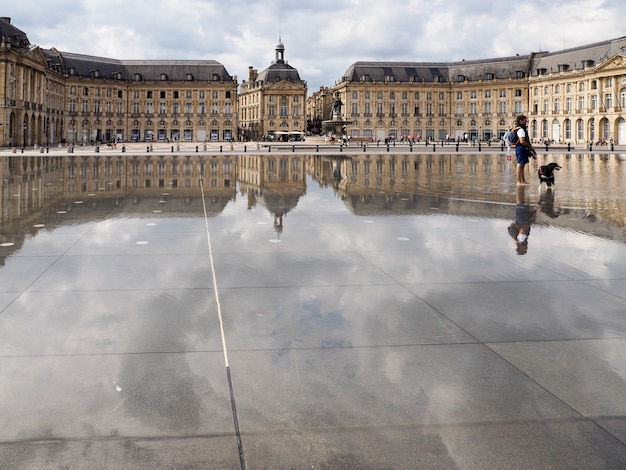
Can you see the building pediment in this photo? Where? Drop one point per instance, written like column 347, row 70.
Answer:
column 285, row 85
column 615, row 62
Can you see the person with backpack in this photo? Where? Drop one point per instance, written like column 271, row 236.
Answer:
column 507, row 138
column 523, row 148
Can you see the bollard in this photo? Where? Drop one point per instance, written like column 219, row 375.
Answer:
column 341, row 148
column 220, row 149
column 546, row 146
column 196, row 149
column 269, row 148
column 479, row 147
column 501, row 147
column 410, row 147
column 123, row 148
column 293, row 148
column 569, row 147
column 172, row 149
column 245, row 148
column 387, row 147
column 457, row 146
column 97, row 149
column 364, row 148
column 434, row 147
column 48, row 150
column 148, row 149
column 590, row 146
column 612, row 148
column 317, row 149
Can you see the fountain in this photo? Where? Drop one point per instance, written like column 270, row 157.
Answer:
column 336, row 123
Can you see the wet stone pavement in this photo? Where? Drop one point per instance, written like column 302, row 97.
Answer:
column 293, row 311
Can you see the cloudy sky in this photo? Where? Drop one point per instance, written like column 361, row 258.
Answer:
column 322, row 38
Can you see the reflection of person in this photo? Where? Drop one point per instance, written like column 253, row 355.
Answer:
column 525, row 215
column 523, row 148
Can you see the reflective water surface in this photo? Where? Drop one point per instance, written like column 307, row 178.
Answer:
column 298, row 310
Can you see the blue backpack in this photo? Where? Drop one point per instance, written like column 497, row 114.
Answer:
column 511, row 136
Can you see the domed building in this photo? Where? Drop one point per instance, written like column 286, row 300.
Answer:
column 272, row 104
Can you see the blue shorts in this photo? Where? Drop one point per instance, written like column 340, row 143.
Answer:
column 522, row 154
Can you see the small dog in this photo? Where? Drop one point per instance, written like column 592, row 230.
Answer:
column 546, row 173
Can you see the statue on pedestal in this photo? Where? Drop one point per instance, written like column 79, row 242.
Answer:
column 336, row 112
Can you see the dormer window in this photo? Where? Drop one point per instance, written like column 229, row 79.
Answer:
column 460, row 78
column 189, row 77
column 137, row 77
column 490, row 76
column 163, row 77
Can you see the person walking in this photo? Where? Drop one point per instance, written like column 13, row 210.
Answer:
column 523, row 148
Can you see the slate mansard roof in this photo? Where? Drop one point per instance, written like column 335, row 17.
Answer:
column 519, row 66
column 78, row 65
column 10, row 34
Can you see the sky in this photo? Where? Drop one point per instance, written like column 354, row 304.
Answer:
column 322, row 38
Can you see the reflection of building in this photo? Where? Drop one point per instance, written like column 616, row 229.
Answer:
column 275, row 182
column 469, row 185
column 576, row 95
column 273, row 103
column 50, row 96
column 31, row 185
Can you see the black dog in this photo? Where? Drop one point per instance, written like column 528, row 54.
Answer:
column 546, row 173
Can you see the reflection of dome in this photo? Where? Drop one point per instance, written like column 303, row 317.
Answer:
column 278, row 204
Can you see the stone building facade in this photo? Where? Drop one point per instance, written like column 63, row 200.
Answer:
column 272, row 104
column 50, row 97
column 572, row 96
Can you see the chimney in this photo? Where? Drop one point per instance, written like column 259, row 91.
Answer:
column 6, row 19
column 252, row 74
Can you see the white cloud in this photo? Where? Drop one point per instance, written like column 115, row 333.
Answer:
column 323, row 38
